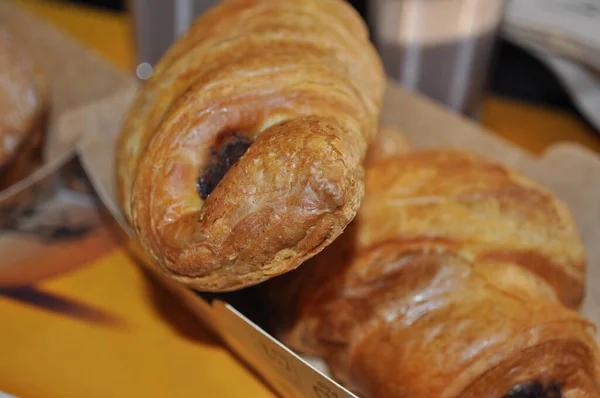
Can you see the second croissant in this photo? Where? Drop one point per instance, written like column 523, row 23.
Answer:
column 454, row 280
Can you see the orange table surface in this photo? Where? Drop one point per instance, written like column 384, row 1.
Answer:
column 108, row 330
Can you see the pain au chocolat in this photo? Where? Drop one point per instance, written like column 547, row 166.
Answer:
column 458, row 278
column 242, row 156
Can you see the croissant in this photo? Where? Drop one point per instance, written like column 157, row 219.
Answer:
column 243, row 155
column 23, row 98
column 457, row 278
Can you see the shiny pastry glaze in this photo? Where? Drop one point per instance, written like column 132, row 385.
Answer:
column 454, row 280
column 301, row 79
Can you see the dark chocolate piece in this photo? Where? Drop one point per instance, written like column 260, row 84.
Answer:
column 535, row 390
column 554, row 390
column 231, row 147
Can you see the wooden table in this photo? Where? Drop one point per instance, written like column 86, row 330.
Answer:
column 107, row 330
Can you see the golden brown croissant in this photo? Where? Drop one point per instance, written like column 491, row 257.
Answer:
column 452, row 281
column 22, row 110
column 242, row 155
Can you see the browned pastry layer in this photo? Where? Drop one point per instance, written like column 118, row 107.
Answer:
column 242, row 155
column 388, row 143
column 22, row 110
column 452, row 281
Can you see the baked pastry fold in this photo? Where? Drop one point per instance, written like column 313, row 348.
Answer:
column 242, row 156
column 454, row 280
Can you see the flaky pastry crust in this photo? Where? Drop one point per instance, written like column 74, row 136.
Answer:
column 454, row 280
column 294, row 85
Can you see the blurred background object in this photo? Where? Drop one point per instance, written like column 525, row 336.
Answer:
column 156, row 25
column 441, row 48
column 564, row 35
column 535, row 51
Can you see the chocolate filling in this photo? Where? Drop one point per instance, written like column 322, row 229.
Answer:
column 227, row 150
column 535, row 390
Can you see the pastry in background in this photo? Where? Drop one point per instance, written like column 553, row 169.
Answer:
column 23, row 106
column 457, row 278
column 388, row 143
column 242, row 155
